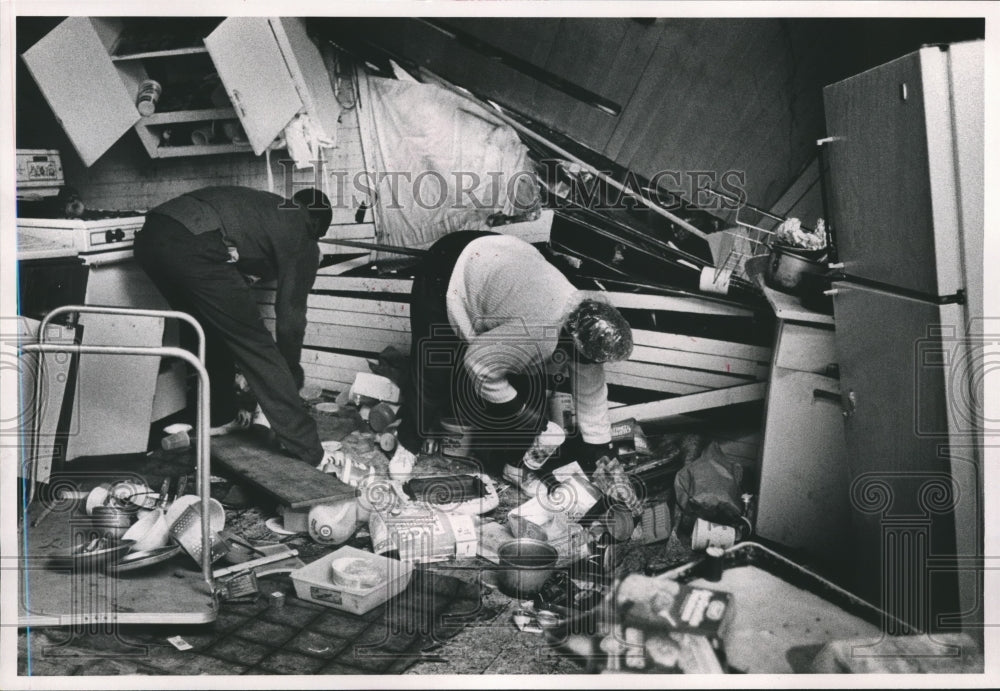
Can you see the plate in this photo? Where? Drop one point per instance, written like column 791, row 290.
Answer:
column 275, row 525
column 103, row 557
column 139, row 560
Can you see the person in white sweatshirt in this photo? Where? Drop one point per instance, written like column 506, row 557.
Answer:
column 492, row 321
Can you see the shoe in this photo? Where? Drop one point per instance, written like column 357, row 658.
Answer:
column 523, row 479
column 238, row 424
column 401, row 464
column 259, row 420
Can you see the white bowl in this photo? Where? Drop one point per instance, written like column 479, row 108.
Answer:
column 150, row 532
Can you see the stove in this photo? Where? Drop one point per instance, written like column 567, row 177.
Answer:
column 84, row 236
column 44, row 231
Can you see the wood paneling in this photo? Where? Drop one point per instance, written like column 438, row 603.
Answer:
column 696, row 94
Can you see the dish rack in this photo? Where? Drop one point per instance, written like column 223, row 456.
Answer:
column 739, row 246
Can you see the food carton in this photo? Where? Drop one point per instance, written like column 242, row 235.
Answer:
column 318, row 582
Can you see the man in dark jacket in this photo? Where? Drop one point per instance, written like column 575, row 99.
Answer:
column 203, row 250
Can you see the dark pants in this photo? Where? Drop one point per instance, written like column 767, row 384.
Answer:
column 194, row 274
column 439, row 386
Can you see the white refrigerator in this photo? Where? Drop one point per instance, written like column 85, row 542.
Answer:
column 904, row 185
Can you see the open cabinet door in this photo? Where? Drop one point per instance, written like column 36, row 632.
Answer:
column 75, row 74
column 256, row 76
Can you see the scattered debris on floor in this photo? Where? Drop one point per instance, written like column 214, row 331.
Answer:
column 639, row 566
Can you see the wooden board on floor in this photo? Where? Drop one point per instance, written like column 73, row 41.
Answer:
column 292, row 482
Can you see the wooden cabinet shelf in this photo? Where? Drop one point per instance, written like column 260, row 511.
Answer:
column 192, row 50
column 201, row 150
column 174, row 116
column 268, row 69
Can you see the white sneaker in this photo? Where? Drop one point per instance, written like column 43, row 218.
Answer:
column 523, row 479
column 401, row 464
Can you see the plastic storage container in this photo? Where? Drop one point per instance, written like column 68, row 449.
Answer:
column 314, row 582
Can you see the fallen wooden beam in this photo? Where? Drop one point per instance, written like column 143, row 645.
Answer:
column 706, row 380
column 658, row 410
column 359, row 284
column 292, row 482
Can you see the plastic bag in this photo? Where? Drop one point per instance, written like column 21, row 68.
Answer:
column 709, row 487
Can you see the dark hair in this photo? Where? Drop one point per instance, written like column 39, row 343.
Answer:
column 599, row 332
column 318, row 206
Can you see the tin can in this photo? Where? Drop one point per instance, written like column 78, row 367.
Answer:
column 562, row 411
column 707, row 534
column 148, row 96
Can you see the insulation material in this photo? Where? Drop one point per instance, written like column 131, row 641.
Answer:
column 438, row 163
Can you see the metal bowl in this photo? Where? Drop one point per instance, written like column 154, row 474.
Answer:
column 112, row 521
column 525, row 566
column 787, row 267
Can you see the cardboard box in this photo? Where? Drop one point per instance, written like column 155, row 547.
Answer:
column 421, row 533
column 314, row 582
column 663, row 605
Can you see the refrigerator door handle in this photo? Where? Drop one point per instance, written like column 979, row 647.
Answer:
column 851, row 404
column 823, row 395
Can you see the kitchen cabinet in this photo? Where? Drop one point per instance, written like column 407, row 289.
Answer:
column 270, row 71
column 803, row 496
column 906, row 190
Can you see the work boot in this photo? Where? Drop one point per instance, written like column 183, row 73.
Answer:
column 523, row 479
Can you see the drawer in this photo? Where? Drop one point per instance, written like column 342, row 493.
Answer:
column 804, row 499
column 804, row 348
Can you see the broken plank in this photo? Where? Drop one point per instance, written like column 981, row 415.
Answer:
column 366, row 284
column 706, row 400
column 291, row 481
column 351, row 362
column 336, row 302
column 350, row 337
column 325, row 384
column 707, row 380
column 668, row 303
column 636, row 382
column 707, row 346
column 370, row 321
column 698, row 361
